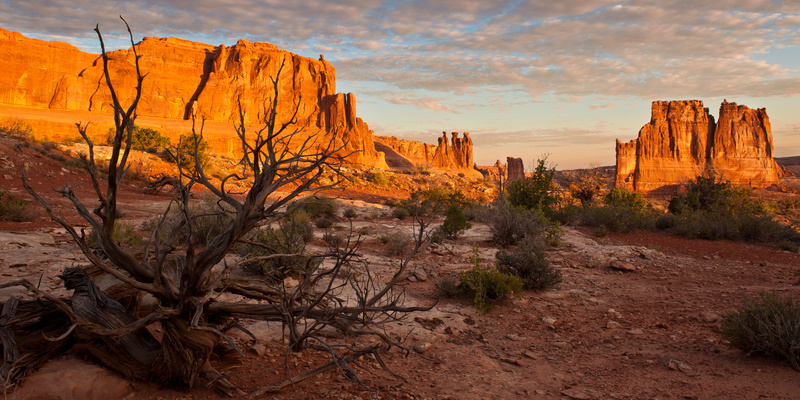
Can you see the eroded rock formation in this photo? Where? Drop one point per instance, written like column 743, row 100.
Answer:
column 516, row 169
column 455, row 154
column 185, row 78
column 682, row 140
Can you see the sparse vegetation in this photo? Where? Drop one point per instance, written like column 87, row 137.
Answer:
column 146, row 139
column 455, row 223
column 318, row 206
column 621, row 211
column 769, row 324
column 537, row 192
column 378, row 178
column 15, row 209
column 16, row 128
column 190, row 151
column 509, row 224
column 529, row 262
column 486, row 284
column 277, row 253
column 711, row 208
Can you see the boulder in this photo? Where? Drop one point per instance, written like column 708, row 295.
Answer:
column 682, row 140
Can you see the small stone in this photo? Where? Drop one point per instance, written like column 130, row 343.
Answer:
column 422, row 347
column 530, row 355
column 259, row 349
column 622, row 266
column 613, row 325
column 514, row 337
column 549, row 321
column 582, row 394
column 560, row 345
column 636, row 332
column 708, row 316
column 614, row 314
column 421, row 275
column 291, row 282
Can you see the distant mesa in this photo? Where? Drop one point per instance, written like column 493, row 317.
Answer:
column 186, row 78
column 682, row 141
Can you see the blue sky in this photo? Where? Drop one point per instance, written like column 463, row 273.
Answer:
column 525, row 78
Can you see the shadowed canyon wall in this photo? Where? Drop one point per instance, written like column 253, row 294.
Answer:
column 682, row 140
column 185, row 78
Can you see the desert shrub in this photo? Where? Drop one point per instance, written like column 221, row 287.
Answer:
column 428, row 202
column 17, row 128
column 710, row 193
column 143, row 139
column 486, row 284
column 290, row 238
column 621, row 211
column 536, row 192
column 455, row 223
column 400, row 213
column 124, row 233
column 587, row 184
column 529, row 262
column 447, row 286
column 378, row 178
column 396, row 244
column 349, row 213
column 209, row 219
column 788, row 245
column 666, row 221
column 509, row 224
column 14, row 209
column 769, row 324
column 58, row 157
column 363, row 231
column 185, row 155
column 437, row 235
column 317, row 207
column 332, row 240
column 323, row 223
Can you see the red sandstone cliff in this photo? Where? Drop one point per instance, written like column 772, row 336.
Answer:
column 455, row 154
column 682, row 140
column 182, row 76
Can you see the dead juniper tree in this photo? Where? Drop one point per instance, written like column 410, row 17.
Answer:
column 195, row 298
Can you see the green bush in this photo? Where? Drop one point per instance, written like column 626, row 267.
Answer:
column 14, row 209
column 447, row 285
column 289, row 238
column 483, row 284
column 332, row 240
column 710, row 193
column 508, row 224
column 529, row 262
column 621, row 211
column 455, row 223
column 769, row 325
column 184, row 153
column 378, row 178
column 429, row 202
column 536, row 192
column 143, row 139
column 317, row 207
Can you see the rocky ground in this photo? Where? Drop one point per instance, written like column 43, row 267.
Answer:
column 635, row 318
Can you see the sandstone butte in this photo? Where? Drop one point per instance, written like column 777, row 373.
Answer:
column 185, row 77
column 682, row 141
column 455, row 154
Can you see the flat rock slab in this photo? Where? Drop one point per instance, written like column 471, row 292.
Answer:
column 71, row 378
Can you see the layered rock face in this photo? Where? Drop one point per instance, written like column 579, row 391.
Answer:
column 185, row 78
column 682, row 140
column 455, row 154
